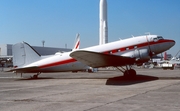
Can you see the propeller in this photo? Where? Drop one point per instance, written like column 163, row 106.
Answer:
column 150, row 51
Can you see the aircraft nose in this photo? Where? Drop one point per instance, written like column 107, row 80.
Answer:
column 172, row 43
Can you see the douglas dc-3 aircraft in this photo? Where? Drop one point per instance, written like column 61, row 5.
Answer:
column 127, row 52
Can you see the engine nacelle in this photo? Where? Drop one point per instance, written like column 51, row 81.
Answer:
column 141, row 55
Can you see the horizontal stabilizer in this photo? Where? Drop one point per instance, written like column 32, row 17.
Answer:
column 95, row 59
column 25, row 70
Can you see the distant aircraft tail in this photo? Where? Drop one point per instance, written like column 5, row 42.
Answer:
column 165, row 56
column 24, row 54
column 77, row 42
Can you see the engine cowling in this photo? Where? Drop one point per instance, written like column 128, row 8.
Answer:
column 141, row 55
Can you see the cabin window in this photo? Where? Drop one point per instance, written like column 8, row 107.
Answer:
column 127, row 48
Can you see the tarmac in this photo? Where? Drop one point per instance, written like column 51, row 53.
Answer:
column 151, row 90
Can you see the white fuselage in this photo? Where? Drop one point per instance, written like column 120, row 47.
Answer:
column 136, row 47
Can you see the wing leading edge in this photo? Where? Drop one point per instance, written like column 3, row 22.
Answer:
column 95, row 59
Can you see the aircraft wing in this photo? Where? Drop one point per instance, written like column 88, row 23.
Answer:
column 25, row 70
column 95, row 59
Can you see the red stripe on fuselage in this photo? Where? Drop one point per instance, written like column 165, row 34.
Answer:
column 137, row 45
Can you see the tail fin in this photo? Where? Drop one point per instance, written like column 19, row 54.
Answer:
column 77, row 42
column 165, row 56
column 24, row 54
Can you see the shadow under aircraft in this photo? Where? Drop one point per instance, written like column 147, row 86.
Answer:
column 123, row 80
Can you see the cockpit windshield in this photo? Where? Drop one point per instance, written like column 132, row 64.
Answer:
column 158, row 38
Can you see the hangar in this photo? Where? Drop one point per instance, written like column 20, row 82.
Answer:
column 6, row 50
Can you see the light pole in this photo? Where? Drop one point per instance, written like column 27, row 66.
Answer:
column 43, row 41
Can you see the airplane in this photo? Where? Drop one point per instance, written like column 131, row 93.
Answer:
column 127, row 52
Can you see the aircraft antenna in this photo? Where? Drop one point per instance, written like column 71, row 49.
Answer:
column 147, row 33
column 120, row 39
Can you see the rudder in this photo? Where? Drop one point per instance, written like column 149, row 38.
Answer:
column 24, row 54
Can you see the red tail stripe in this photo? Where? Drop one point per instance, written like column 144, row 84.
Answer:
column 77, row 45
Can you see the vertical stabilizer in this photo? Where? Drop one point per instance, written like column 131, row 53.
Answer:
column 24, row 54
column 165, row 56
column 77, row 42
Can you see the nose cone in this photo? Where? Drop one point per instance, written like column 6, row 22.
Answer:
column 169, row 44
column 163, row 45
column 166, row 45
column 172, row 43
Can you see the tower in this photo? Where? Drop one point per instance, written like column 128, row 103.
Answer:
column 103, row 26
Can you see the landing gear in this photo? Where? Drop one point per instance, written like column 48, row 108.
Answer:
column 128, row 72
column 36, row 75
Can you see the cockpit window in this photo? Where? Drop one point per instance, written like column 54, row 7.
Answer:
column 160, row 37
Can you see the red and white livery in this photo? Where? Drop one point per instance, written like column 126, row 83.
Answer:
column 127, row 52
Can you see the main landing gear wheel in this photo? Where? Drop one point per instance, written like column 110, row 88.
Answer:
column 130, row 73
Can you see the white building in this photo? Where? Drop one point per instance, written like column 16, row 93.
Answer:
column 6, row 50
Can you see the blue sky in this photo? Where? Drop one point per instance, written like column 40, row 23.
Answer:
column 58, row 21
